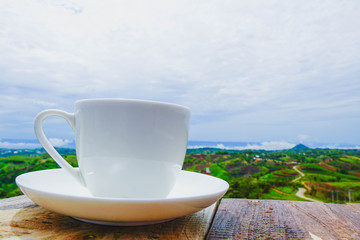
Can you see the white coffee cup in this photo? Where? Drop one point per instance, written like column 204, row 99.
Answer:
column 125, row 148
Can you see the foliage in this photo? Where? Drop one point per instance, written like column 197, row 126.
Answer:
column 13, row 166
column 251, row 174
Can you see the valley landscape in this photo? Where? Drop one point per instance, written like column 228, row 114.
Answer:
column 327, row 175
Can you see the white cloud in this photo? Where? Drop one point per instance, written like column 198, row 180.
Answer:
column 25, row 144
column 222, row 59
column 270, row 145
column 58, row 142
column 302, row 137
column 335, row 146
column 18, row 145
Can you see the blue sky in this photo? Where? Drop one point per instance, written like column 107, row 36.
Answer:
column 250, row 71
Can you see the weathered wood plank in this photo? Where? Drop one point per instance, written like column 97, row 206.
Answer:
column 19, row 217
column 271, row 219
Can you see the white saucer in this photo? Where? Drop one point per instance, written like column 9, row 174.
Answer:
column 55, row 190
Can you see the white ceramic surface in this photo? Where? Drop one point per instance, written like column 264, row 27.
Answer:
column 54, row 190
column 124, row 148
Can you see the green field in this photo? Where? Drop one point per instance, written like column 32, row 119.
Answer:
column 278, row 196
column 251, row 174
column 347, row 185
column 13, row 166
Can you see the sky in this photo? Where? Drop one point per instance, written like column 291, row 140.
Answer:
column 250, row 71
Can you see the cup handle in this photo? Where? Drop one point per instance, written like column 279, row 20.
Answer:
column 70, row 118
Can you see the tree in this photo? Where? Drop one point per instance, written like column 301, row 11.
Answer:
column 313, row 191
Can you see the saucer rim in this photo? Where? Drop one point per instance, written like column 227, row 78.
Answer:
column 22, row 186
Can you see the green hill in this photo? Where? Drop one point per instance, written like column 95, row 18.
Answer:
column 300, row 147
column 250, row 173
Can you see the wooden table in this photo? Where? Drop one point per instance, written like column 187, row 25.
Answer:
column 20, row 218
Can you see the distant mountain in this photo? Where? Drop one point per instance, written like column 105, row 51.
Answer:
column 300, row 147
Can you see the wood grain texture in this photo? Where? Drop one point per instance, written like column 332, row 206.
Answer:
column 273, row 219
column 20, row 218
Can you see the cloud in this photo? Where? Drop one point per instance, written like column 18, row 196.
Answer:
column 283, row 60
column 32, row 143
column 18, row 145
column 269, row 145
column 57, row 142
column 266, row 145
column 302, row 137
column 335, row 146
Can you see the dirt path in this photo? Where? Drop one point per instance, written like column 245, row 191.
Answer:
column 280, row 191
column 300, row 194
column 301, row 191
column 300, row 172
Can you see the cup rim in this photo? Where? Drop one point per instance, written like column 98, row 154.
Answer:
column 131, row 100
